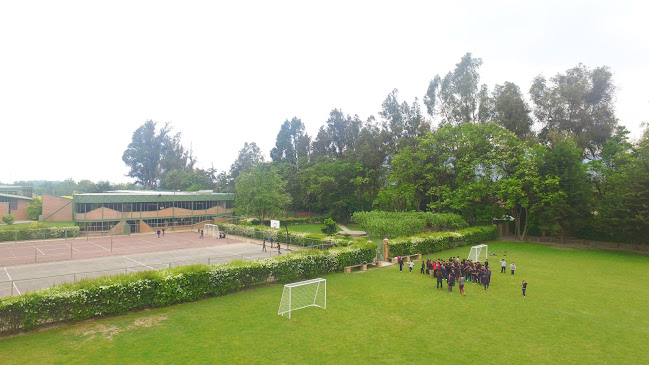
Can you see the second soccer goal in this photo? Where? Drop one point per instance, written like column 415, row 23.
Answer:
column 308, row 293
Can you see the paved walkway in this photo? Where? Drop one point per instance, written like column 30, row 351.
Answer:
column 346, row 230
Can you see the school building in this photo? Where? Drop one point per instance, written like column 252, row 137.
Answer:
column 14, row 200
column 127, row 211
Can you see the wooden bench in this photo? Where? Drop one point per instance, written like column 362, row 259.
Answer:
column 406, row 258
column 348, row 269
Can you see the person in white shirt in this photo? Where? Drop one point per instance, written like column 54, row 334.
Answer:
column 412, row 264
column 503, row 266
column 512, row 267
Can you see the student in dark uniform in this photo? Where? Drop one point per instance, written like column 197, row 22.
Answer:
column 423, row 266
column 400, row 261
column 524, row 287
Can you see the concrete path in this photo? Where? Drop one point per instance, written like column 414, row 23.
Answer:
column 346, row 230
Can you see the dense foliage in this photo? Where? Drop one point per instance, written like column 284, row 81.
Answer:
column 437, row 241
column 392, row 224
column 8, row 219
column 121, row 294
column 31, row 233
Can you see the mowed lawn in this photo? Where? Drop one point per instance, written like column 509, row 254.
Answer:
column 582, row 307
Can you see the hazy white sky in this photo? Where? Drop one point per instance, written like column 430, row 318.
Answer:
column 78, row 77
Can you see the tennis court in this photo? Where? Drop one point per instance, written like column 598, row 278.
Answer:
column 70, row 261
column 90, row 247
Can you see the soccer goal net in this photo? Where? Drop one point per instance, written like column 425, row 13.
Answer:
column 477, row 252
column 308, row 293
column 212, row 229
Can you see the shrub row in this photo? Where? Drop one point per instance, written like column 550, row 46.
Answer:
column 294, row 238
column 120, row 294
column 406, row 223
column 27, row 233
column 290, row 221
column 438, row 241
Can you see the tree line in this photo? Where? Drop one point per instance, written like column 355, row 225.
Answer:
column 561, row 164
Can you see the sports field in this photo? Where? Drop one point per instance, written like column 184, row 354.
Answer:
column 582, row 307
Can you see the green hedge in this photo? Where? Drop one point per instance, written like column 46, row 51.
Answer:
column 114, row 295
column 395, row 224
column 28, row 233
column 295, row 238
column 438, row 241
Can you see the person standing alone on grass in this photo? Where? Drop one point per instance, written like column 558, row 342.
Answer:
column 512, row 267
column 400, row 261
column 412, row 264
column 503, row 266
column 524, row 287
column 460, row 284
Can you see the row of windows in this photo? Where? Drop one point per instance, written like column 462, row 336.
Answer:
column 13, row 202
column 152, row 206
column 154, row 223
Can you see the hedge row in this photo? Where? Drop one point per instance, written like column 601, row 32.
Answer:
column 438, row 241
column 295, row 238
column 22, row 234
column 290, row 221
column 120, row 294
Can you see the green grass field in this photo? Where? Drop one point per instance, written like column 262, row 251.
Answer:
column 583, row 307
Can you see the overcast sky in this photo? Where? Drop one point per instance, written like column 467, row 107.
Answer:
column 77, row 78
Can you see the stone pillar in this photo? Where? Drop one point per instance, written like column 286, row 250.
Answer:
column 386, row 250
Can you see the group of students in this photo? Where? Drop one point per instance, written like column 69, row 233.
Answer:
column 456, row 271
column 279, row 246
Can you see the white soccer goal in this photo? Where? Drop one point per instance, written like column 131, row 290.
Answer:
column 308, row 293
column 212, row 229
column 476, row 252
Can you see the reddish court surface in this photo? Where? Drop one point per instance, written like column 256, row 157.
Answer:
column 82, row 248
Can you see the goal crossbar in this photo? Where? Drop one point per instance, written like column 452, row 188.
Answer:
column 476, row 252
column 303, row 294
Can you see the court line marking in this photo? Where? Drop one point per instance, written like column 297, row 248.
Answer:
column 39, row 250
column 99, row 246
column 137, row 262
column 9, row 276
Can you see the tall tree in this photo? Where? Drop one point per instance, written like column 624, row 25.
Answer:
column 455, row 99
column 261, row 192
column 578, row 102
column 511, row 111
column 287, row 142
column 151, row 154
column 249, row 156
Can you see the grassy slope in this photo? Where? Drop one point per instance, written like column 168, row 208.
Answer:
column 582, row 307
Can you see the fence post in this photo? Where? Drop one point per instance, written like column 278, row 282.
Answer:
column 70, row 250
column 111, row 243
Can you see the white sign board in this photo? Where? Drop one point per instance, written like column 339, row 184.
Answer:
column 274, row 224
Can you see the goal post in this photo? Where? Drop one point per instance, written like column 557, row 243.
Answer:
column 212, row 229
column 477, row 251
column 307, row 293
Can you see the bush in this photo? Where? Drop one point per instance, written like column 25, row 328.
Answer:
column 329, row 227
column 439, row 241
column 8, row 219
column 295, row 238
column 29, row 233
column 119, row 294
column 394, row 224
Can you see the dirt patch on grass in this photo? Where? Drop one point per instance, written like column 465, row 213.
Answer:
column 107, row 332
